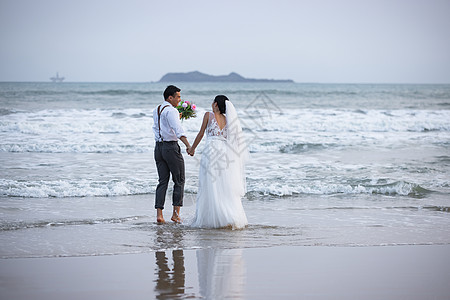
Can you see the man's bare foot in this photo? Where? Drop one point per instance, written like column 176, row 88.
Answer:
column 159, row 216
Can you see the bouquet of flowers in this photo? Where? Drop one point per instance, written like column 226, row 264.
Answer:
column 187, row 110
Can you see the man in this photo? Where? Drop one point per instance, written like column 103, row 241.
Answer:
column 169, row 160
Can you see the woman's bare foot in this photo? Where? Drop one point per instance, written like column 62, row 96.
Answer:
column 176, row 214
column 176, row 219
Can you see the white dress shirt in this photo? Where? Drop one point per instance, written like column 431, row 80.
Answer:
column 170, row 123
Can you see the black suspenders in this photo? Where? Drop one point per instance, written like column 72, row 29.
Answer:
column 159, row 120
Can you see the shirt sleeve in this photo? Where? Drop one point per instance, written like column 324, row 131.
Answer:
column 173, row 119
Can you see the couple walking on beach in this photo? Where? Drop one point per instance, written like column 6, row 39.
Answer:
column 221, row 173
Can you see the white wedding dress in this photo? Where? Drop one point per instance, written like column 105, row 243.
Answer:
column 221, row 177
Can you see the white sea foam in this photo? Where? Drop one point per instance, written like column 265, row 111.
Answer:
column 71, row 188
column 129, row 130
column 85, row 188
column 327, row 120
column 319, row 188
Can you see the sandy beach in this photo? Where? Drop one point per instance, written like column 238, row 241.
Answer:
column 390, row 272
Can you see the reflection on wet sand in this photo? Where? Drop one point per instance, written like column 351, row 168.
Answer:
column 170, row 284
column 221, row 273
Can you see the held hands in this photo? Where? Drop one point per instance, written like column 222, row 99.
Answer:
column 190, row 151
column 188, row 146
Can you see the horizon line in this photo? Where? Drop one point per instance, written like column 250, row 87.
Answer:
column 227, row 82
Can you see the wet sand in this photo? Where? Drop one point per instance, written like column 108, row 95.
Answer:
column 389, row 272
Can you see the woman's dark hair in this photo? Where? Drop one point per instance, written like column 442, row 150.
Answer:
column 170, row 91
column 220, row 100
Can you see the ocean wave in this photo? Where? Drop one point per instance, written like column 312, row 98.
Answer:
column 295, row 148
column 88, row 188
column 7, row 226
column 5, row 112
column 121, row 115
column 78, row 131
column 401, row 188
column 77, row 148
column 120, row 92
column 64, row 188
column 331, row 91
column 293, row 131
column 73, row 92
column 332, row 121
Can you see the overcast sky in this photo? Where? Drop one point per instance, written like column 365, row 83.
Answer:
column 379, row 41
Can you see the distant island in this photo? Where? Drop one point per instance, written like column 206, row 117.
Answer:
column 197, row 76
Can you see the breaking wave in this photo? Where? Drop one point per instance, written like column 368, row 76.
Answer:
column 302, row 147
column 400, row 188
column 77, row 148
column 7, row 226
column 83, row 188
column 129, row 130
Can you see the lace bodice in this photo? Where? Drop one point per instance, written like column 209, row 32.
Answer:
column 213, row 129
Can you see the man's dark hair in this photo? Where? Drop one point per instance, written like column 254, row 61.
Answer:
column 170, row 91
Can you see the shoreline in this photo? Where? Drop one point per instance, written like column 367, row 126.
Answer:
column 126, row 224
column 197, row 248
column 289, row 272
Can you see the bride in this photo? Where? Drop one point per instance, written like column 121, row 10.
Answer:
column 221, row 177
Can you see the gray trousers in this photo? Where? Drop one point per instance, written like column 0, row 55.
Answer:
column 169, row 160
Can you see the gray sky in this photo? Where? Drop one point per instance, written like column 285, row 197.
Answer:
column 373, row 41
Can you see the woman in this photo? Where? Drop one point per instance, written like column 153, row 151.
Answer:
column 221, row 176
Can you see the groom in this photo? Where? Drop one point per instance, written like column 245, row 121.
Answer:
column 169, row 160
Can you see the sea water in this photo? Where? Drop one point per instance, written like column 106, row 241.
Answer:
column 330, row 164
